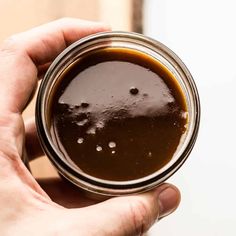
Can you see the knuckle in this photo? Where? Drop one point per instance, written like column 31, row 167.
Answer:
column 13, row 47
column 10, row 44
column 140, row 215
column 12, row 122
column 65, row 20
column 11, row 128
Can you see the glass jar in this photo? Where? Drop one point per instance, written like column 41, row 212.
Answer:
column 133, row 41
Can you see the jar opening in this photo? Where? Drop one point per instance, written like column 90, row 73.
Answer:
column 104, row 103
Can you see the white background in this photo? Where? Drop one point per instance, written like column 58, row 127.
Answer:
column 203, row 34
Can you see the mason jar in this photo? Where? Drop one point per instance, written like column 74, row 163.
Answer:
column 140, row 43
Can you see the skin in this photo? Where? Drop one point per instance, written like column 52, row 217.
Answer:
column 30, row 207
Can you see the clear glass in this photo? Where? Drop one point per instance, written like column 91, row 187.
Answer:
column 121, row 40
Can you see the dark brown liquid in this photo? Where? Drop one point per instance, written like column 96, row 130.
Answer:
column 118, row 114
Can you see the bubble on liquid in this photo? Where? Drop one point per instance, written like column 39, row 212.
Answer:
column 149, row 154
column 61, row 102
column 80, row 140
column 112, row 144
column 100, row 124
column 82, row 122
column 91, row 130
column 69, row 108
column 134, row 91
column 77, row 106
column 69, row 111
column 171, row 103
column 113, row 152
column 98, row 148
column 184, row 115
column 84, row 104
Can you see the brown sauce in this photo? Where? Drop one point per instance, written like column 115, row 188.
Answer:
column 118, row 114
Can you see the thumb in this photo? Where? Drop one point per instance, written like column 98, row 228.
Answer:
column 134, row 215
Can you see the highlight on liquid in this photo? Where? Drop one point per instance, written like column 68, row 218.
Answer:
column 118, row 114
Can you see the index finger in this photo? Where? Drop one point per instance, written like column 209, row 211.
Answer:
column 22, row 54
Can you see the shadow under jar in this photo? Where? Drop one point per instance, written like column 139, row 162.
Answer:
column 117, row 113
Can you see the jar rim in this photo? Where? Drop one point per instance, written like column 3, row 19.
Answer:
column 108, row 187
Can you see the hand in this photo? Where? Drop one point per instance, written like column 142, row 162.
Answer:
column 26, row 208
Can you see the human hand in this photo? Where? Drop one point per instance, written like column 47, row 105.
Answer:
column 55, row 207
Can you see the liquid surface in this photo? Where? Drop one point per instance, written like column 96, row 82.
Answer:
column 118, row 114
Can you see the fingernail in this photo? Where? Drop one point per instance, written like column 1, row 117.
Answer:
column 169, row 199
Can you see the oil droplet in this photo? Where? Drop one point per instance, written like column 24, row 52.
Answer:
column 133, row 90
column 99, row 148
column 112, row 144
column 80, row 140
